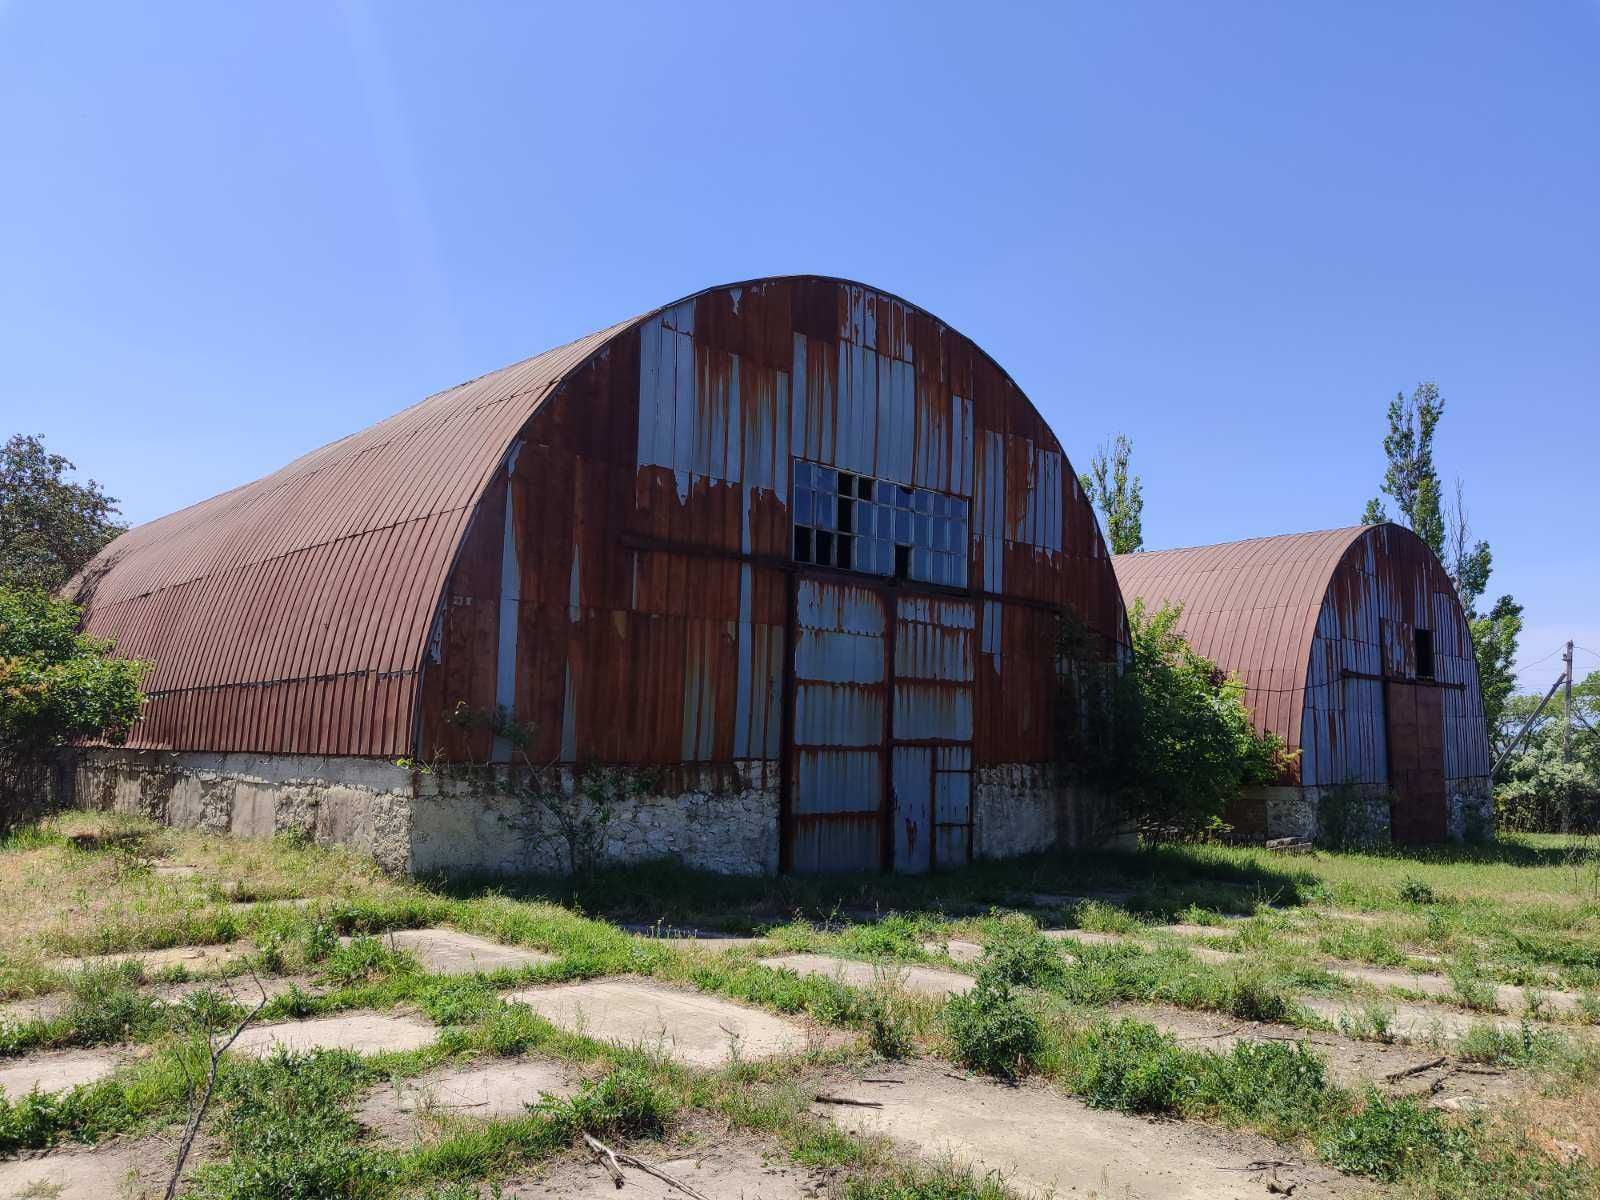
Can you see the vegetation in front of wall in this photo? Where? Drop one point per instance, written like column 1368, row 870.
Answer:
column 1169, row 738
column 1551, row 782
column 56, row 685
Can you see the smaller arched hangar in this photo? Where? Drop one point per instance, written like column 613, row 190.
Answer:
column 1353, row 647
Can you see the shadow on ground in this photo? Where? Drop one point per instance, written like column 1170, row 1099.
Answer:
column 1160, row 882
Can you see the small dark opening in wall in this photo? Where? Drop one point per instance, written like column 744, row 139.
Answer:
column 902, row 562
column 1424, row 653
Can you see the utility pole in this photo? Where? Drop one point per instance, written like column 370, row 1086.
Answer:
column 1566, row 709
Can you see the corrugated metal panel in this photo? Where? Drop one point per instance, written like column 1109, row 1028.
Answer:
column 294, row 608
column 840, row 692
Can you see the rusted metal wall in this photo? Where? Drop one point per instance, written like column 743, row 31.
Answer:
column 1314, row 624
column 1388, row 585
column 657, row 590
column 599, row 541
column 291, row 615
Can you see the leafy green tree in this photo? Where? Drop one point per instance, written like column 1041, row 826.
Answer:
column 1539, row 788
column 50, row 526
column 1117, row 493
column 1411, row 480
column 57, row 685
column 1169, row 739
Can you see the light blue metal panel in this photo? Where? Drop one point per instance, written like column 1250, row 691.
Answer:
column 827, row 714
column 837, row 821
column 831, row 657
column 925, row 711
column 913, row 809
column 952, row 805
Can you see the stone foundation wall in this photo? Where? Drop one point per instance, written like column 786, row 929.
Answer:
column 1469, row 816
column 361, row 802
column 1023, row 808
column 722, row 818
column 716, row 818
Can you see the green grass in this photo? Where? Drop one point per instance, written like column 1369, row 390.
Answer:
column 285, row 1127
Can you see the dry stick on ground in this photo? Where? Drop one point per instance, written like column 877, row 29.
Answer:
column 198, row 1111
column 824, row 1098
column 1397, row 1076
column 604, row 1156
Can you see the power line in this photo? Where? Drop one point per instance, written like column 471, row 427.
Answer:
column 1546, row 658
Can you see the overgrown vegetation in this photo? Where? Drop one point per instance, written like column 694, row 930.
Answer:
column 1169, row 739
column 56, row 685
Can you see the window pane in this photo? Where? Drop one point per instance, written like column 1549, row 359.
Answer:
column 885, row 558
column 802, row 506
column 902, row 497
column 885, row 492
column 902, row 527
column 920, row 567
column 924, row 530
column 802, row 474
column 961, row 570
column 923, row 501
column 824, row 515
column 826, row 480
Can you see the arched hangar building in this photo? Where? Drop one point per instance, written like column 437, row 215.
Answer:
column 1352, row 647
column 785, row 559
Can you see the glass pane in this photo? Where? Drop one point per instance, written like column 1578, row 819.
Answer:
column 941, row 533
column 885, row 558
column 940, row 506
column 924, row 501
column 924, row 530
column 902, row 497
column 823, row 518
column 803, row 507
column 961, row 570
column 885, row 492
column 902, row 527
column 885, row 521
column 802, row 474
column 826, row 480
column 920, row 567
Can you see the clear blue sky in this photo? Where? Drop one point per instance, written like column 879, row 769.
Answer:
column 233, row 232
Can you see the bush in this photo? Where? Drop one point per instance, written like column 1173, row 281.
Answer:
column 1128, row 1065
column 1416, row 891
column 56, row 686
column 1170, row 739
column 1017, row 953
column 1386, row 1137
column 992, row 1030
column 625, row 1103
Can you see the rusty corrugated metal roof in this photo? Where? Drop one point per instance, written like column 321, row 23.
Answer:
column 1251, row 607
column 290, row 614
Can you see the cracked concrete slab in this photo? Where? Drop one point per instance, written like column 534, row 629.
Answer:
column 101, row 1174
column 194, row 959
column 55, row 1070
column 703, row 1031
column 748, row 1172
column 1038, row 1140
column 958, row 949
column 1411, row 1021
column 1508, row 997
column 927, row 981
column 451, row 952
column 358, row 1032
column 401, row 1110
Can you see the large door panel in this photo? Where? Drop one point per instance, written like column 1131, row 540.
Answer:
column 837, row 811
column 1415, row 718
column 934, row 643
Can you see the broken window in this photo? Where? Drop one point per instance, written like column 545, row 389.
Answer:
column 859, row 523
